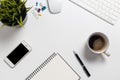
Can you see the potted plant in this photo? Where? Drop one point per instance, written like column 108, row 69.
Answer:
column 13, row 12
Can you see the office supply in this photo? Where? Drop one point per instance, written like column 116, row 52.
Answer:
column 108, row 10
column 40, row 14
column 80, row 61
column 38, row 9
column 43, row 8
column 36, row 3
column 55, row 6
column 54, row 68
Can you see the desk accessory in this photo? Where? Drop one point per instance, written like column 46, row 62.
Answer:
column 98, row 43
column 54, row 68
column 83, row 66
column 107, row 10
column 13, row 12
column 38, row 9
column 55, row 6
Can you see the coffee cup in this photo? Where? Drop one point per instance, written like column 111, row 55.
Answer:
column 98, row 43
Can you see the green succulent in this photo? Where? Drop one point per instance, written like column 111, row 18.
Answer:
column 13, row 12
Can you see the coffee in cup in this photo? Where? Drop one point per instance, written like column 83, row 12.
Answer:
column 98, row 43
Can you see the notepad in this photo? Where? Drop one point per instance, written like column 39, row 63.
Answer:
column 54, row 68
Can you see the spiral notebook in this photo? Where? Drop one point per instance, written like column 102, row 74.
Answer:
column 54, row 68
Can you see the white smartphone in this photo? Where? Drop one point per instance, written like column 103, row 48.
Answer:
column 17, row 54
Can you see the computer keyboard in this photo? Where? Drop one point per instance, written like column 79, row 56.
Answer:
column 108, row 10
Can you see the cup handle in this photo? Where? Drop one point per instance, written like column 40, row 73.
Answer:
column 107, row 54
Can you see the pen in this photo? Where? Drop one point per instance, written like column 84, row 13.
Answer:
column 83, row 66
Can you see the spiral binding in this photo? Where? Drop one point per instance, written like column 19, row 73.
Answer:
column 41, row 66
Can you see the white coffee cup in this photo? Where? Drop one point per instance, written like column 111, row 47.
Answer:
column 98, row 39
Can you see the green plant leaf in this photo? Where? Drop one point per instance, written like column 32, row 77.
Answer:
column 19, row 21
column 11, row 11
column 28, row 8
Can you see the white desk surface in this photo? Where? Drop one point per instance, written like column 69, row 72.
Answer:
column 62, row 33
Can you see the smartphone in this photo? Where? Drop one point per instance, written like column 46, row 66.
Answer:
column 17, row 54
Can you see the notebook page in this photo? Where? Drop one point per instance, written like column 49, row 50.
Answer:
column 56, row 69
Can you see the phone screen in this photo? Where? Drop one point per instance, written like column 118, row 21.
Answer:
column 17, row 53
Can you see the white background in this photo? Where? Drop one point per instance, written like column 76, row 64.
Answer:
column 61, row 33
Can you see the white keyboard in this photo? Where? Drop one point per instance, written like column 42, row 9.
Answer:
column 108, row 10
